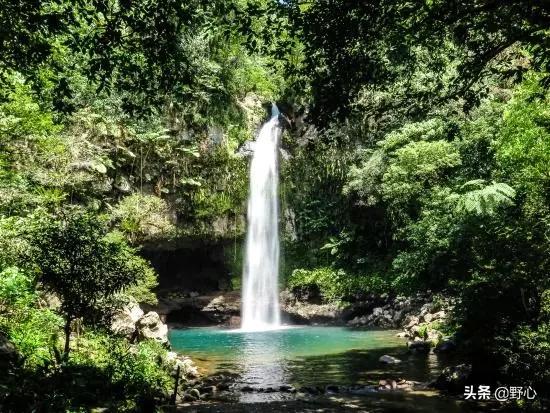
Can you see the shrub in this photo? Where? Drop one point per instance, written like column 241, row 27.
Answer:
column 335, row 285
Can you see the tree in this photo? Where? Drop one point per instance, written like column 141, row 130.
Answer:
column 351, row 44
column 79, row 262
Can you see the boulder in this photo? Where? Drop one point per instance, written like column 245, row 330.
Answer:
column 427, row 318
column 386, row 359
column 357, row 321
column 397, row 316
column 49, row 300
column 419, row 346
column 377, row 312
column 150, row 327
column 309, row 293
column 187, row 368
column 411, row 321
column 426, row 308
column 453, row 379
column 124, row 321
column 440, row 315
column 445, row 346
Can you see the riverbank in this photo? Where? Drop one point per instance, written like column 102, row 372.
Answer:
column 414, row 403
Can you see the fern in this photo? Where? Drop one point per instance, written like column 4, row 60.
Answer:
column 485, row 199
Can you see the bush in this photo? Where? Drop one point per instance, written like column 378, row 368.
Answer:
column 137, row 374
column 84, row 265
column 336, row 285
column 143, row 218
column 33, row 331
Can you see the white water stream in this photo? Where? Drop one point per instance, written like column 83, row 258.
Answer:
column 260, row 293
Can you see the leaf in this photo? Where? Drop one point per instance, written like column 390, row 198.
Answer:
column 99, row 167
column 190, row 182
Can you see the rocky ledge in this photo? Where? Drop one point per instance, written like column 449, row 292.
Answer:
column 133, row 323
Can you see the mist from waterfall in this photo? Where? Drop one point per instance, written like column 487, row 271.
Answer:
column 260, row 292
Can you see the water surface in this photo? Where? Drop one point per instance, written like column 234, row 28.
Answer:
column 302, row 356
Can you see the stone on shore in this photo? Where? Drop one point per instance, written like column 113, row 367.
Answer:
column 150, row 327
column 387, row 359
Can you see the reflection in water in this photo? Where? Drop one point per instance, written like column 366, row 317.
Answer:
column 302, row 356
column 262, row 364
column 314, row 356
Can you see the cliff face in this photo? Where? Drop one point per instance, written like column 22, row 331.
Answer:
column 198, row 267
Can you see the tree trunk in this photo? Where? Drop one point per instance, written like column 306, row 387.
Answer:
column 175, row 394
column 67, row 330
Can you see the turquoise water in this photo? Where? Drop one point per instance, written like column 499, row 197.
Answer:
column 313, row 356
column 301, row 356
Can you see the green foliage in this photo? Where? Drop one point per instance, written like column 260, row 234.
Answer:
column 417, row 54
column 485, row 199
column 336, row 285
column 31, row 329
column 139, row 373
column 104, row 372
column 82, row 265
column 522, row 148
column 143, row 217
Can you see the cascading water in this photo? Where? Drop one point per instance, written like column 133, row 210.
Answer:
column 260, row 293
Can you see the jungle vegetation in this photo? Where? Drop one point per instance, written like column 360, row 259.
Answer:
column 419, row 153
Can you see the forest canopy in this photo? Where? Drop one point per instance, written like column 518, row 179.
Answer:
column 415, row 159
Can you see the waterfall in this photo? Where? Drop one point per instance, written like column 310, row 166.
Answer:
column 260, row 292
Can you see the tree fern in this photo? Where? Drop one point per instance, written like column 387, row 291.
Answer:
column 484, row 199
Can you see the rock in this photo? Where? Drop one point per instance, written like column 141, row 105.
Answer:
column 411, row 321
column 234, row 321
column 124, row 321
column 223, row 386
column 378, row 311
column 222, row 307
column 427, row 318
column 8, row 353
column 403, row 334
column 123, row 184
column 433, row 336
column 453, row 379
column 49, row 300
column 426, row 308
column 247, row 389
column 332, row 389
column 397, row 316
column 386, row 359
column 188, row 369
column 415, row 331
column 307, row 293
column 440, row 315
column 150, row 327
column 301, row 312
column 310, row 390
column 209, row 389
column 246, row 150
column 445, row 346
column 362, row 390
column 419, row 346
column 287, row 389
column 195, row 394
column 355, row 322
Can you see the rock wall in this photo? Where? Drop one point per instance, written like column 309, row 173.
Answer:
column 196, row 267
